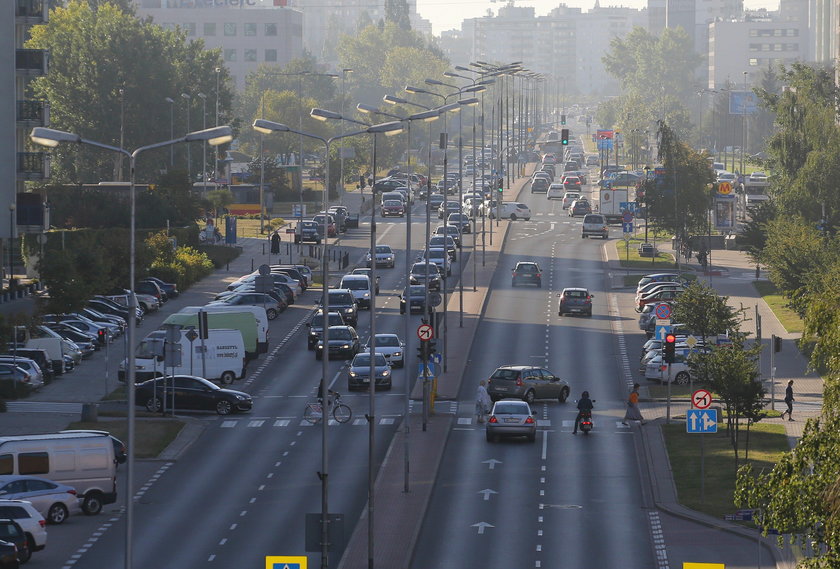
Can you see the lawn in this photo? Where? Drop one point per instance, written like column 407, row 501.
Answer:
column 778, row 304
column 151, row 436
column 767, row 444
column 628, row 255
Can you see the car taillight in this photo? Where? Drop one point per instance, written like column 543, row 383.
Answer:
column 529, row 421
column 42, row 522
column 493, row 419
column 663, row 367
column 71, row 491
column 539, row 274
column 519, row 381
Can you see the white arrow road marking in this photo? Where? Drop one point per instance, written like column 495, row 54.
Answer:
column 487, row 492
column 481, row 526
column 492, row 462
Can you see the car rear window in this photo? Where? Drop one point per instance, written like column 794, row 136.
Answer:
column 575, row 294
column 506, row 374
column 341, row 298
column 13, row 513
column 593, row 219
column 511, row 408
column 354, row 284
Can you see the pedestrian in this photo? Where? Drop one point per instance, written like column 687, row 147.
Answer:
column 275, row 243
column 789, row 401
column 633, row 413
column 482, row 401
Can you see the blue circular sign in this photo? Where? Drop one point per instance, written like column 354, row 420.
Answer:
column 627, row 216
column 663, row 311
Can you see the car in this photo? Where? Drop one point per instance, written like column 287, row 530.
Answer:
column 316, row 326
column 512, row 211
column 656, row 369
column 527, row 383
column 430, row 277
column 439, row 257
column 445, row 242
column 11, row 532
column 649, row 287
column 592, row 160
column 571, row 182
column 555, row 191
column 594, row 224
column 340, row 213
column 54, row 501
column 540, row 185
column 273, row 308
column 276, row 277
column 391, row 347
column 461, row 221
column 102, row 304
column 511, row 418
column 151, row 288
column 580, row 206
column 526, row 272
column 30, row 520
column 415, row 296
column 98, row 316
column 120, row 450
column 343, row 343
column 575, row 301
column 293, row 273
column 654, row 288
column 190, row 393
column 28, row 365
column 342, row 300
column 385, row 257
column 368, row 272
column 452, row 230
column 321, row 218
column 14, row 375
column 569, row 198
column 360, row 287
column 434, row 201
column 659, row 277
column 38, row 355
column 308, row 231
column 658, row 297
column 393, row 208
column 358, row 376
column 449, row 207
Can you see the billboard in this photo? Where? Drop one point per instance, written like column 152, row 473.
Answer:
column 743, row 103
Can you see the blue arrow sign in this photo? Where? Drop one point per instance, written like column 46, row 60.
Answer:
column 627, row 227
column 661, row 331
column 701, row 421
column 627, row 206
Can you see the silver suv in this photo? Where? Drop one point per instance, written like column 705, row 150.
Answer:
column 527, row 383
column 595, row 224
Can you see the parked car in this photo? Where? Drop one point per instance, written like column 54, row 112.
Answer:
column 106, row 306
column 527, row 383
column 321, row 218
column 120, row 450
column 171, row 289
column 12, row 374
column 31, row 521
column 657, row 369
column 575, row 301
column 11, row 532
column 511, row 418
column 151, row 288
column 272, row 307
column 54, row 501
column 27, row 365
column 192, row 393
column 343, row 343
column 8, row 555
column 358, row 376
column 526, row 272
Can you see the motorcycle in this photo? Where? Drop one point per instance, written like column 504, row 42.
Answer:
column 585, row 424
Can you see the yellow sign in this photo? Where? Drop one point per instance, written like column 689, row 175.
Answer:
column 725, row 188
column 703, row 566
column 285, row 562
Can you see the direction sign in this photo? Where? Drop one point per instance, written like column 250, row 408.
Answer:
column 425, row 332
column 627, row 227
column 629, row 206
column 687, row 565
column 662, row 311
column 435, row 299
column 285, row 562
column 701, row 421
column 701, row 399
column 661, row 331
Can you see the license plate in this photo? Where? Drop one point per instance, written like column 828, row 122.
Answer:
column 511, row 420
column 501, row 389
column 576, row 309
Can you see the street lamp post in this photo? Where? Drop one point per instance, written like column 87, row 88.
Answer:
column 12, row 207
column 203, row 98
column 188, row 99
column 52, row 138
column 171, row 129
column 267, row 127
column 216, row 163
column 344, row 73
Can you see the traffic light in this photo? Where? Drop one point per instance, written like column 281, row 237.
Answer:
column 501, row 184
column 431, row 347
column 564, row 137
column 669, row 348
column 562, row 119
column 422, row 351
column 100, row 335
column 777, row 344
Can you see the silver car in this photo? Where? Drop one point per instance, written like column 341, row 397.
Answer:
column 359, row 375
column 391, row 347
column 511, row 418
column 54, row 501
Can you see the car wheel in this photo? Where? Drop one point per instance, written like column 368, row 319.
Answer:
column 564, row 394
column 583, row 236
column 92, row 504
column 227, row 377
column 224, row 407
column 682, row 378
column 513, row 217
column 25, row 554
column 271, row 313
column 154, row 405
column 529, row 397
column 57, row 514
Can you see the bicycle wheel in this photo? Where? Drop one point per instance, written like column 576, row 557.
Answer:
column 342, row 413
column 312, row 412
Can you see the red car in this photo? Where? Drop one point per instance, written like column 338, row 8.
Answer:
column 393, row 207
column 663, row 296
column 332, row 230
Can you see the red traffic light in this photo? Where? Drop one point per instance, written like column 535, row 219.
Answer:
column 670, row 339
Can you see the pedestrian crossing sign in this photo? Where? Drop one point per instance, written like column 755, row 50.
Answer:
column 285, row 562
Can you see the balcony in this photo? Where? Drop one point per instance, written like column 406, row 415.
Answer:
column 33, row 112
column 31, row 61
column 33, row 166
column 31, row 12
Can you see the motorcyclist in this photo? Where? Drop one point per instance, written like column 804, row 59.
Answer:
column 584, row 408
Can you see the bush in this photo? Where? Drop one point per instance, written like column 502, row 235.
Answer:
column 220, row 255
column 195, row 264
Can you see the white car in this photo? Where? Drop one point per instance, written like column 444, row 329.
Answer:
column 391, row 346
column 512, row 211
column 569, row 197
column 29, row 519
column 359, row 286
column 555, row 192
column 657, row 369
column 54, row 501
column 439, row 257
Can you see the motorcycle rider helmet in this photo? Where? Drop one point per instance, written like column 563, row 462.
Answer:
column 586, row 394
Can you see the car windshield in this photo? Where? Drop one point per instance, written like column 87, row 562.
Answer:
column 354, row 284
column 417, row 290
column 388, row 341
column 526, row 269
column 362, row 360
column 509, row 408
column 420, row 269
column 340, row 334
column 385, row 248
column 391, row 203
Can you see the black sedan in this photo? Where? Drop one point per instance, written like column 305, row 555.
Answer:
column 191, row 393
column 415, row 297
column 343, row 342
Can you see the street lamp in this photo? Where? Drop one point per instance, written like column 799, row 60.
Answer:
column 51, row 138
column 389, row 128
column 203, row 98
column 344, row 73
column 471, row 102
column 188, row 100
column 171, row 129
column 216, row 164
column 12, row 207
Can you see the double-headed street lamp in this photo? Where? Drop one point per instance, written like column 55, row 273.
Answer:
column 52, row 138
column 267, row 127
column 188, row 99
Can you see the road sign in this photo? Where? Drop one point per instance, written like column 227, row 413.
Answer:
column 425, row 332
column 701, row 421
column 299, row 210
column 724, row 188
column 627, row 227
column 285, row 562
column 661, row 330
column 662, row 311
column 191, row 334
column 701, row 399
column 437, row 358
column 627, row 217
column 691, row 341
column 435, row 299
column 629, row 206
column 703, row 566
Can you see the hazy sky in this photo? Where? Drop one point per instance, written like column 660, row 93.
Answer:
column 448, row 14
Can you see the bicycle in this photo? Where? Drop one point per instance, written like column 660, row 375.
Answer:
column 313, row 412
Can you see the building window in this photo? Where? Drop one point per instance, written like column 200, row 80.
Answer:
column 249, row 29
column 230, row 28
column 753, row 33
column 271, row 29
column 271, row 55
column 210, row 28
column 753, row 62
column 230, row 55
column 189, row 28
column 250, row 55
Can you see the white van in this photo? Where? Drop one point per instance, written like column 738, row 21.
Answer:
column 359, row 285
column 258, row 312
column 84, row 461
column 224, row 360
column 54, row 346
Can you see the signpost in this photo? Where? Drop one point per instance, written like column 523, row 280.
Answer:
column 701, row 399
column 425, row 332
column 701, row 420
column 285, row 562
column 662, row 311
column 662, row 329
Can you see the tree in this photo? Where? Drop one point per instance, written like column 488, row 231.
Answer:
column 753, row 236
column 704, row 312
column 275, row 177
column 396, row 12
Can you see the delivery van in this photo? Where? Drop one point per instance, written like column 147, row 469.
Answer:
column 53, row 345
column 84, row 461
column 258, row 313
column 224, row 359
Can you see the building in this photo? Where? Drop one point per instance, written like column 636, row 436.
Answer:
column 249, row 32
